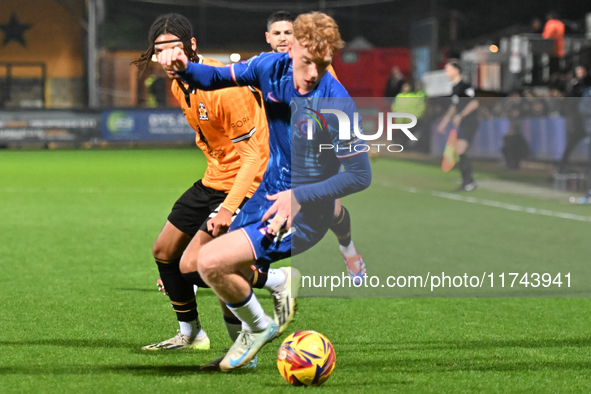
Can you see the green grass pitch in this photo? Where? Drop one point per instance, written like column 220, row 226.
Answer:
column 78, row 295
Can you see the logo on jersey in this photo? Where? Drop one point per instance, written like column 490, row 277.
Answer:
column 241, row 122
column 203, row 112
column 272, row 98
column 309, row 130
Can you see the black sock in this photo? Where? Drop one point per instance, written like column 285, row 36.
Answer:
column 179, row 290
column 195, row 279
column 466, row 169
column 341, row 227
column 258, row 278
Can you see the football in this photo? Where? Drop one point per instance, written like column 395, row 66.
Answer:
column 306, row 358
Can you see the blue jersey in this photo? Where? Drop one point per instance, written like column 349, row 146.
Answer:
column 272, row 74
column 317, row 179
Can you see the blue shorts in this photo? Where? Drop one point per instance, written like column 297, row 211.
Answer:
column 309, row 227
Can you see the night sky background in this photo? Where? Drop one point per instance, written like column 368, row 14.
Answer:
column 383, row 25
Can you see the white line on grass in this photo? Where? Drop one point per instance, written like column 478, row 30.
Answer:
column 498, row 204
column 512, row 207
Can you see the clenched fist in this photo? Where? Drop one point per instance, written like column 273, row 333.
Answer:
column 173, row 58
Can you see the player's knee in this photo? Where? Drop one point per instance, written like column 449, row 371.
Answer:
column 207, row 262
column 188, row 263
column 161, row 251
column 158, row 251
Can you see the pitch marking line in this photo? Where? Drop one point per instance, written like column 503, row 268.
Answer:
column 498, row 204
column 513, row 207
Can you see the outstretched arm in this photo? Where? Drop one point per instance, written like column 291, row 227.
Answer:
column 204, row 77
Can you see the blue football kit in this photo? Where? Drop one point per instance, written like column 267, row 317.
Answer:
column 309, row 163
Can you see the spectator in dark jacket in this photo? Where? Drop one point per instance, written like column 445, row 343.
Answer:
column 515, row 147
column 394, row 84
column 580, row 82
column 575, row 128
column 533, row 106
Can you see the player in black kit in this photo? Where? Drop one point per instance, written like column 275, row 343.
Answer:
column 462, row 112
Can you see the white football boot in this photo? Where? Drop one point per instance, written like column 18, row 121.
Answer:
column 199, row 342
column 247, row 346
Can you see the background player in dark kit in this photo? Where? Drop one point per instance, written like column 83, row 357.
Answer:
column 462, row 112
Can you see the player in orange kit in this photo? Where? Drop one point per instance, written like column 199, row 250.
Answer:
column 232, row 132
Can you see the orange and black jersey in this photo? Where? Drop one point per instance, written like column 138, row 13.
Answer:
column 231, row 130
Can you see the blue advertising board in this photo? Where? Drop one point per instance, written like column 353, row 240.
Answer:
column 546, row 138
column 146, row 125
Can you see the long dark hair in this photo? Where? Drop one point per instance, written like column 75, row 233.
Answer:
column 175, row 24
